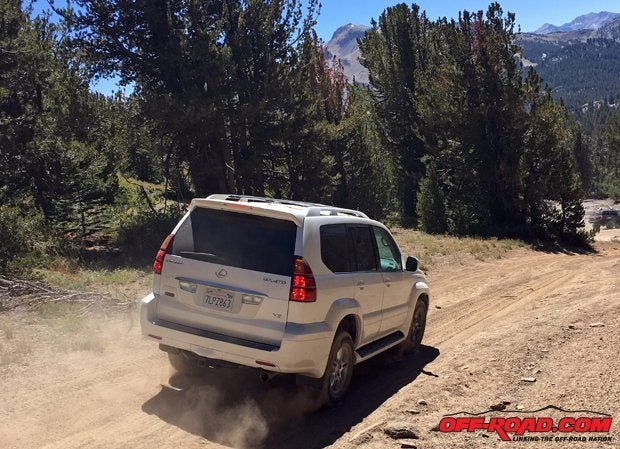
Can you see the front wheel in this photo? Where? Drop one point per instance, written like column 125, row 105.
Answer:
column 416, row 329
column 337, row 377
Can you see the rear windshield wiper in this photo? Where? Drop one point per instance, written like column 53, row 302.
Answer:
column 207, row 257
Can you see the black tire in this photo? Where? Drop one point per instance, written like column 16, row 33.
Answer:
column 596, row 227
column 416, row 329
column 183, row 364
column 339, row 370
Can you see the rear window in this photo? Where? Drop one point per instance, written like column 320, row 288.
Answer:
column 237, row 240
column 336, row 251
column 364, row 249
column 347, row 248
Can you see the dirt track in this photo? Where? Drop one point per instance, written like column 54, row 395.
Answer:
column 490, row 324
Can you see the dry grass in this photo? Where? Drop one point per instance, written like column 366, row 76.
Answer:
column 430, row 249
column 75, row 278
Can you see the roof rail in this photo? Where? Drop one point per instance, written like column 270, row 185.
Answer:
column 315, row 209
column 319, row 210
column 261, row 199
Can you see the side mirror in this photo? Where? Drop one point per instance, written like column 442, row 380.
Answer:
column 411, row 264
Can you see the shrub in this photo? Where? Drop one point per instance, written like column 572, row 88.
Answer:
column 141, row 234
column 25, row 240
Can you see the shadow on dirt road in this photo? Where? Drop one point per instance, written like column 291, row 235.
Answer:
column 234, row 408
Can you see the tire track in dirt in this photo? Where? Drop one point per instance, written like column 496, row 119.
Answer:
column 471, row 314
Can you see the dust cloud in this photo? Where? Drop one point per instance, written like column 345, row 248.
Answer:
column 232, row 407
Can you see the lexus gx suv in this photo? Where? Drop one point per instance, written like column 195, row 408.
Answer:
column 284, row 287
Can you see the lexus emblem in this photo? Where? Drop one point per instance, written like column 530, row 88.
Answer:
column 222, row 273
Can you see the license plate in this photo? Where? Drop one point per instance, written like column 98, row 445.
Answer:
column 218, row 300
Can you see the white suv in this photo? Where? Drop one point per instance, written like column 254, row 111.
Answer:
column 283, row 286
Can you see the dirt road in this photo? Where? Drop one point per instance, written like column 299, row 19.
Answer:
column 94, row 383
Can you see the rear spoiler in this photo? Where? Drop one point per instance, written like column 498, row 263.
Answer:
column 264, row 210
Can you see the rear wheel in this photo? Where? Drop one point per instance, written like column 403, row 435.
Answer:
column 337, row 377
column 183, row 364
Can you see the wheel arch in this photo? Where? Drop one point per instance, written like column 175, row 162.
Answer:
column 420, row 291
column 424, row 298
column 348, row 311
column 351, row 324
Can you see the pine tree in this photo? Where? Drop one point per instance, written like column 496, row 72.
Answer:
column 582, row 157
column 394, row 52
column 22, row 74
column 450, row 93
column 51, row 144
column 552, row 191
column 431, row 202
column 215, row 79
column 611, row 161
column 312, row 142
column 365, row 168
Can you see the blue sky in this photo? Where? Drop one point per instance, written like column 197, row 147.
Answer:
column 531, row 14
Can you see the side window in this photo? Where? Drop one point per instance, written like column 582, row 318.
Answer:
column 389, row 255
column 365, row 258
column 336, row 250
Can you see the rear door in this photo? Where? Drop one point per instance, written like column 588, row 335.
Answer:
column 229, row 273
column 368, row 280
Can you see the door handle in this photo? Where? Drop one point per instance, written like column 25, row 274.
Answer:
column 387, row 281
column 360, row 284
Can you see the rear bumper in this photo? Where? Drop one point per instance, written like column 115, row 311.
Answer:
column 304, row 348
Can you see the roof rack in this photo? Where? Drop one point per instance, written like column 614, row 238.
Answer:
column 315, row 209
column 331, row 211
column 260, row 199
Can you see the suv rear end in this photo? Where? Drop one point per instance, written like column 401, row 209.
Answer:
column 608, row 218
column 222, row 289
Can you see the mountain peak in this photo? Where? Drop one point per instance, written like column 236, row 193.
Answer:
column 590, row 21
column 546, row 29
column 343, row 45
column 349, row 28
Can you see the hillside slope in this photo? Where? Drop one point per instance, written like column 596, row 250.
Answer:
column 581, row 66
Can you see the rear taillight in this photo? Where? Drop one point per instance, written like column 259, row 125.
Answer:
column 303, row 286
column 159, row 258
